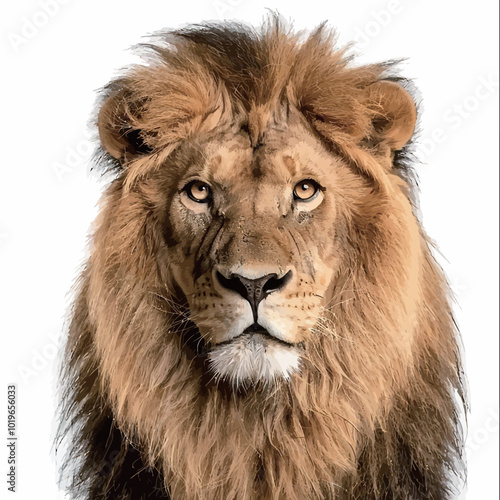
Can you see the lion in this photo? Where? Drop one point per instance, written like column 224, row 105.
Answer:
column 261, row 315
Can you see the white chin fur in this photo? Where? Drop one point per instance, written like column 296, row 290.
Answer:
column 251, row 358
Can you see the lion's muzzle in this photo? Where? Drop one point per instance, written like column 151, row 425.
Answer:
column 254, row 290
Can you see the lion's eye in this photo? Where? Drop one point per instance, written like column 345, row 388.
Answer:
column 306, row 190
column 199, row 191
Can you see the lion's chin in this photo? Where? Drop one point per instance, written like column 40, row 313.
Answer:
column 253, row 358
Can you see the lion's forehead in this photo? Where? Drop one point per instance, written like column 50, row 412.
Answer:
column 285, row 156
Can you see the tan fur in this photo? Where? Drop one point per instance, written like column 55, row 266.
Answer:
column 367, row 303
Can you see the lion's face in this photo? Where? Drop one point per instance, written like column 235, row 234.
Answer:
column 264, row 208
column 252, row 246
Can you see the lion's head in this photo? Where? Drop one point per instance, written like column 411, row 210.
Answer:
column 261, row 300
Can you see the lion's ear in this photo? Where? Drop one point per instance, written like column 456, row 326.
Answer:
column 395, row 113
column 119, row 127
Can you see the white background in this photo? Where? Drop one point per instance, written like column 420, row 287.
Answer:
column 52, row 65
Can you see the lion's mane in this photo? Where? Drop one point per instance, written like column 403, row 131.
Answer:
column 374, row 413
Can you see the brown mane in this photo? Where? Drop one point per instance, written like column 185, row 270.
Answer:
column 374, row 413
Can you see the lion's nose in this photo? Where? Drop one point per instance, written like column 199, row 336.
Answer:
column 254, row 290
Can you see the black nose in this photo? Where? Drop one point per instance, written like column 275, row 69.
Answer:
column 255, row 290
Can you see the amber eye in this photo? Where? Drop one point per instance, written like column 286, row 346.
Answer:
column 199, row 191
column 306, row 190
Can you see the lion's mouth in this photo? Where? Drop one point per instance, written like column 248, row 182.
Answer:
column 258, row 333
column 254, row 355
